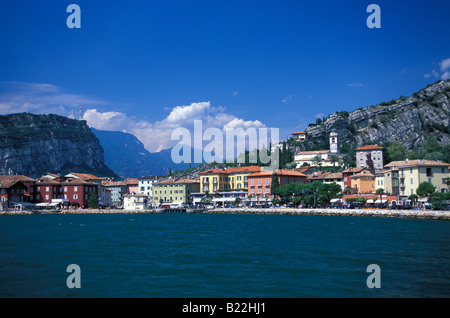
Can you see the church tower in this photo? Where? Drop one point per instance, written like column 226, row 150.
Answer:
column 334, row 148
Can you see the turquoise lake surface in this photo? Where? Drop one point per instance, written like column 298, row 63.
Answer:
column 174, row 255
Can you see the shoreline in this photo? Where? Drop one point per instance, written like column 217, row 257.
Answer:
column 417, row 214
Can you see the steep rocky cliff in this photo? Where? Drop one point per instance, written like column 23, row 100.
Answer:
column 34, row 145
column 408, row 120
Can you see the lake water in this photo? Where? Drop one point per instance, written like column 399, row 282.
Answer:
column 177, row 255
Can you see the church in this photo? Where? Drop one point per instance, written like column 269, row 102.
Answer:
column 303, row 157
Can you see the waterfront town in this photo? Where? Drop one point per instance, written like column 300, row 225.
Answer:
column 370, row 184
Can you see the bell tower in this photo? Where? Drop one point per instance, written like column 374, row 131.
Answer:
column 334, row 148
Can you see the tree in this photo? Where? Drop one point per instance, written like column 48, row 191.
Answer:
column 425, row 188
column 334, row 159
column 396, row 151
column 380, row 191
column 413, row 198
column 317, row 160
column 275, row 184
column 93, row 201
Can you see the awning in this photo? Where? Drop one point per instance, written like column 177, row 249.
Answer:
column 380, row 201
column 370, row 201
column 335, row 200
column 42, row 204
column 422, row 200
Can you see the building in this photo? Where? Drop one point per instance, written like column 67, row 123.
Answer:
column 411, row 173
column 327, row 177
column 369, row 153
column 347, row 173
column 299, row 136
column 260, row 182
column 302, row 158
column 12, row 189
column 214, row 180
column 104, row 194
column 177, row 192
column 117, row 189
column 68, row 191
column 238, row 176
column 132, row 185
column 233, row 178
column 388, row 181
column 334, row 147
column 136, row 201
column 146, row 183
column 363, row 182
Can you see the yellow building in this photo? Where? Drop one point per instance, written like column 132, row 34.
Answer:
column 238, row 176
column 388, row 181
column 363, row 182
column 214, row 180
column 234, row 178
column 411, row 173
column 171, row 191
column 299, row 135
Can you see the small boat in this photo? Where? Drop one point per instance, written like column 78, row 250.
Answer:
column 160, row 210
column 194, row 210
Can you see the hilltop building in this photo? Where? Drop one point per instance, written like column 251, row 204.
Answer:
column 370, row 153
column 308, row 157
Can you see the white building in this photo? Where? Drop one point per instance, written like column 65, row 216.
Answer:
column 302, row 157
column 146, row 184
column 136, row 201
column 374, row 152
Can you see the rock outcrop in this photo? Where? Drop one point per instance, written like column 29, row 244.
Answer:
column 407, row 120
column 34, row 145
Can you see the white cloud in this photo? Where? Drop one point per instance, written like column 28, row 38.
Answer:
column 156, row 136
column 433, row 73
column 445, row 65
column 236, row 93
column 445, row 76
column 287, row 99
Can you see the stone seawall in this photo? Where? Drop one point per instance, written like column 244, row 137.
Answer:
column 427, row 214
column 423, row 214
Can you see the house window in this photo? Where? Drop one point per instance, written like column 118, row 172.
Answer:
column 75, row 189
column 47, row 189
column 75, row 196
column 46, row 197
column 429, row 174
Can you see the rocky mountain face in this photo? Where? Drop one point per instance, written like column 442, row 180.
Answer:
column 408, row 120
column 34, row 145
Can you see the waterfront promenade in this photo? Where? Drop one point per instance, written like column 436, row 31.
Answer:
column 424, row 214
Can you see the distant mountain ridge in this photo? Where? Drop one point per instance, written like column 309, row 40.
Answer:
column 127, row 156
column 408, row 120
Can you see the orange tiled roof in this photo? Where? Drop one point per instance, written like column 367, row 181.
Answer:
column 299, row 133
column 370, row 147
column 213, row 171
column 243, row 169
column 357, row 169
column 85, row 176
column 280, row 172
column 416, row 162
column 364, row 173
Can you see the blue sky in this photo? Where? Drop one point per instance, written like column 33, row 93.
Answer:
column 146, row 66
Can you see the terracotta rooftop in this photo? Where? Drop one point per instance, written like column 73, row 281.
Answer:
column 243, row 169
column 7, row 181
column 326, row 175
column 354, row 170
column 299, row 133
column 85, row 176
column 364, row 173
column 213, row 171
column 416, row 162
column 280, row 172
column 370, row 147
